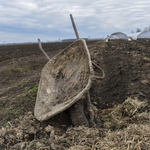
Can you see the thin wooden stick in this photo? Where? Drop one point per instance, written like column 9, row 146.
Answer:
column 40, row 46
column 74, row 26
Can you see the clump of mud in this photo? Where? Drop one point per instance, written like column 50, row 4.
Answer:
column 125, row 126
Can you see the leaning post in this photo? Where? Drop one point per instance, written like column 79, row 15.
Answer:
column 74, row 26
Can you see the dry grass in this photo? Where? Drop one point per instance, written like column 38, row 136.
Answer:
column 126, row 127
column 131, row 111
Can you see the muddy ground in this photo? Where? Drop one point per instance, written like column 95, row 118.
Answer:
column 126, row 65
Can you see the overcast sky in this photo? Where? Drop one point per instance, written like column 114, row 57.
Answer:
column 28, row 20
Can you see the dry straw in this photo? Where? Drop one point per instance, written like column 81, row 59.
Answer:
column 126, row 127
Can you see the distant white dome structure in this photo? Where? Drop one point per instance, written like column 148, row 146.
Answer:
column 118, row 35
column 144, row 35
column 134, row 36
column 140, row 35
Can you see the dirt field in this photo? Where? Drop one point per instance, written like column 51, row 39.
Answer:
column 121, row 100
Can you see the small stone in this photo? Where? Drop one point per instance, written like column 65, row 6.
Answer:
column 52, row 134
column 49, row 128
column 11, row 136
column 2, row 141
column 53, row 146
column 146, row 59
column 19, row 135
column 3, row 131
column 26, row 136
column 144, row 82
column 38, row 145
column 33, row 130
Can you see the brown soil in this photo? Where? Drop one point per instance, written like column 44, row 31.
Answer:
column 127, row 67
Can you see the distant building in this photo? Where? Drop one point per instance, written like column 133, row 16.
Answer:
column 117, row 35
column 144, row 35
column 140, row 35
column 72, row 40
column 134, row 36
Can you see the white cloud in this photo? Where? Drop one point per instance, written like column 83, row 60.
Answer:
column 93, row 18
